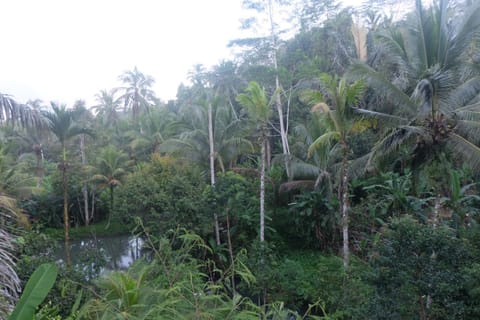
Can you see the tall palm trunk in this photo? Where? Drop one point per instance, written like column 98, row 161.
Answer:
column 66, row 219
column 38, row 149
column 278, row 99
column 212, row 167
column 262, row 191
column 84, row 186
column 343, row 193
column 110, row 211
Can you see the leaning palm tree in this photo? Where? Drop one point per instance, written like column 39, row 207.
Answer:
column 257, row 104
column 61, row 122
column 336, row 102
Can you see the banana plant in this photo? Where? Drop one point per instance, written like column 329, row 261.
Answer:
column 36, row 289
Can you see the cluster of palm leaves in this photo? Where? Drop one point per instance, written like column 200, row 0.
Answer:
column 432, row 93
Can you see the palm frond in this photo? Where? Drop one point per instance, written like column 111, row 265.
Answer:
column 10, row 281
column 470, row 129
column 468, row 30
column 360, row 166
column 394, row 41
column 323, row 142
column 464, row 149
column 290, row 186
column 462, row 95
column 384, row 117
column 468, row 115
column 302, row 170
column 392, row 142
column 383, row 85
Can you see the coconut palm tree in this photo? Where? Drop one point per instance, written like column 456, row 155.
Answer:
column 193, row 143
column 432, row 85
column 61, row 122
column 9, row 281
column 257, row 104
column 158, row 126
column 14, row 113
column 338, row 100
column 111, row 168
column 138, row 95
column 107, row 107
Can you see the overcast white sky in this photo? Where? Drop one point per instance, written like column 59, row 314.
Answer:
column 64, row 50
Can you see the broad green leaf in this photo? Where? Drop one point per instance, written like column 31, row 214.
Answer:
column 37, row 288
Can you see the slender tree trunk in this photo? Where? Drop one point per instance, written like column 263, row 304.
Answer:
column 39, row 169
column 84, row 187
column 230, row 251
column 111, row 207
column 212, row 167
column 268, row 153
column 278, row 99
column 344, row 206
column 92, row 195
column 66, row 219
column 262, row 192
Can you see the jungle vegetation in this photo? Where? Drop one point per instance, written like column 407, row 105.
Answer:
column 331, row 174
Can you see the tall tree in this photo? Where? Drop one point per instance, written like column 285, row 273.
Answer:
column 107, row 107
column 272, row 38
column 10, row 283
column 258, row 106
column 339, row 99
column 14, row 113
column 138, row 95
column 432, row 86
column 110, row 170
column 61, row 122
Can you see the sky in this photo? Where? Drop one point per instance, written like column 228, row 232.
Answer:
column 64, row 50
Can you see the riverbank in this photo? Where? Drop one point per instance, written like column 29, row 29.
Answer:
column 99, row 229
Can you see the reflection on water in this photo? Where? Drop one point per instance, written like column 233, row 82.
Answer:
column 100, row 254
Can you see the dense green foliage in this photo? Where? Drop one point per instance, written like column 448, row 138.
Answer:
column 332, row 175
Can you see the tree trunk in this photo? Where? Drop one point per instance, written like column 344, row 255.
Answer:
column 110, row 211
column 278, row 99
column 84, row 187
column 38, row 148
column 262, row 192
column 66, row 219
column 212, row 167
column 344, row 206
column 230, row 251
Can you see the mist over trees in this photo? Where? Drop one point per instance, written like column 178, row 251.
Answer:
column 328, row 171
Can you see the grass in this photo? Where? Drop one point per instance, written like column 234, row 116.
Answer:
column 98, row 229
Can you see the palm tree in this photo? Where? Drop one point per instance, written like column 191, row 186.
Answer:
column 138, row 95
column 257, row 104
column 111, row 168
column 193, row 142
column 107, row 107
column 61, row 122
column 432, row 86
column 157, row 127
column 13, row 113
column 338, row 101
column 9, row 283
